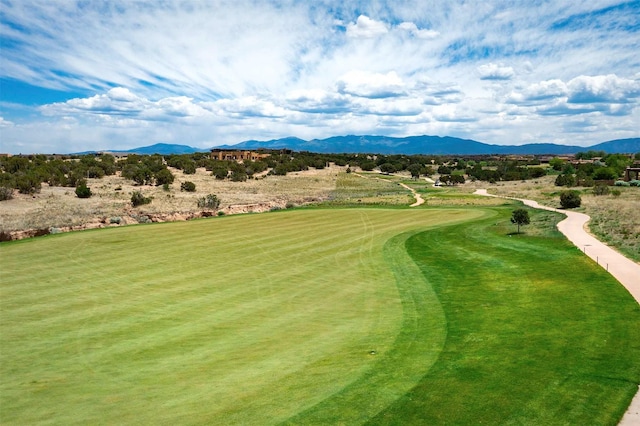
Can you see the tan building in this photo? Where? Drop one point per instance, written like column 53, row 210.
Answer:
column 236, row 155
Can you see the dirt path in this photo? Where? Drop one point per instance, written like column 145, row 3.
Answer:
column 624, row 270
column 418, row 197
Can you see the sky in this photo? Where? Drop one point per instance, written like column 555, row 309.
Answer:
column 118, row 74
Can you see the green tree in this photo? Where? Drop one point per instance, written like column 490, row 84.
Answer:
column 415, row 170
column 520, row 217
column 570, row 199
column 387, row 168
column 556, row 163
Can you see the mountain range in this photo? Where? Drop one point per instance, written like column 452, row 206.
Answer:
column 428, row 145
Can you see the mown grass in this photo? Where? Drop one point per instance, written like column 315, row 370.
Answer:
column 315, row 316
column 233, row 320
column 536, row 333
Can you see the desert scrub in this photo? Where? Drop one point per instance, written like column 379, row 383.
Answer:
column 211, row 201
column 6, row 193
column 137, row 199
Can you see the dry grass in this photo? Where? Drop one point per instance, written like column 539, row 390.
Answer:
column 58, row 207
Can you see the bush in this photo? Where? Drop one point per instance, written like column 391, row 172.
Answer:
column 622, row 183
column 82, row 190
column 164, row 176
column 634, row 182
column 137, row 199
column 211, row 201
column 6, row 193
column 28, row 184
column 188, row 186
column 601, row 190
column 570, row 199
column 565, row 180
column 615, row 192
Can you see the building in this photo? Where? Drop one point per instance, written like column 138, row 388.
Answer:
column 237, row 155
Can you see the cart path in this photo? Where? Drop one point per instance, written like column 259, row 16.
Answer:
column 624, row 270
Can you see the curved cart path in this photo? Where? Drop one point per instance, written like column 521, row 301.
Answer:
column 624, row 270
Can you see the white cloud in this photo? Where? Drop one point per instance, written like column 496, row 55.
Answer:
column 223, row 72
column 5, row 123
column 420, row 33
column 603, row 88
column 365, row 27
column 543, row 91
column 495, row 72
column 371, row 85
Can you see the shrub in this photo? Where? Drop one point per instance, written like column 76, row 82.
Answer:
column 634, row 182
column 6, row 193
column 28, row 184
column 211, row 201
column 601, row 190
column 188, row 186
column 164, row 176
column 565, row 180
column 220, row 172
column 137, row 199
column 82, row 190
column 615, row 192
column 622, row 183
column 570, row 199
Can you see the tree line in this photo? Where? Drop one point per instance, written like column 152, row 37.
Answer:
column 27, row 173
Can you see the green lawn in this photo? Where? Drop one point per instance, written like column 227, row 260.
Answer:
column 314, row 316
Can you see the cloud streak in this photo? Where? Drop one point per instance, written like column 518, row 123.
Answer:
column 222, row 72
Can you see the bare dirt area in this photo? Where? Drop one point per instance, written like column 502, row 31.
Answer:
column 58, row 209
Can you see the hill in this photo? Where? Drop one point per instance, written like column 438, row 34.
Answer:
column 429, row 145
column 158, row 148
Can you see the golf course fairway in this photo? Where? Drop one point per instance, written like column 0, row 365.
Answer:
column 315, row 316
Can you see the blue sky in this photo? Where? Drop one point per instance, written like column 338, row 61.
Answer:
column 84, row 75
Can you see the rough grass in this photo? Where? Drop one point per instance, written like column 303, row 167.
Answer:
column 615, row 220
column 369, row 188
column 315, row 316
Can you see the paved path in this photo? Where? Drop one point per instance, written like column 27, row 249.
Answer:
column 624, row 270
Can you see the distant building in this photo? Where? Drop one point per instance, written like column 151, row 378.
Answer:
column 236, row 155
